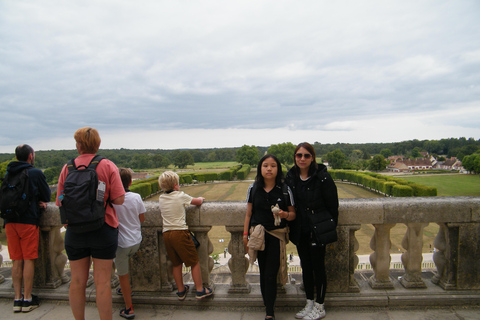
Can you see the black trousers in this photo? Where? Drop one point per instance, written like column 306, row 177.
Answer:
column 312, row 260
column 269, row 263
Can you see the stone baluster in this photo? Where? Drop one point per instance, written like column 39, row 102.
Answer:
column 412, row 258
column 204, row 251
column 380, row 258
column 238, row 263
column 440, row 256
column 49, row 267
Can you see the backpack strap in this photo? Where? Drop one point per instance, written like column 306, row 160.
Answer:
column 95, row 161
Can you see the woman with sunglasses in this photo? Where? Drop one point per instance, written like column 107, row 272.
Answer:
column 314, row 192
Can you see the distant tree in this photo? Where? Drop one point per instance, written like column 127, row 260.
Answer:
column 416, row 152
column 335, row 159
column 283, row 151
column 366, row 155
column 160, row 161
column 183, row 159
column 51, row 174
column 248, row 155
column 377, row 163
column 386, row 153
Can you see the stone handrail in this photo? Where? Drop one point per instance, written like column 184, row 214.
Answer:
column 457, row 256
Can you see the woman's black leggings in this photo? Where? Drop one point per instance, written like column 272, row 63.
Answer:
column 269, row 263
column 312, row 260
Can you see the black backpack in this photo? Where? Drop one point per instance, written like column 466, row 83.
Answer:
column 14, row 195
column 82, row 206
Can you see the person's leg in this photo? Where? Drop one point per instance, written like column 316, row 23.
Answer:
column 17, row 275
column 318, row 259
column 304, row 253
column 78, row 285
column 102, row 270
column 28, row 272
column 126, row 290
column 197, row 276
column 270, row 261
column 178, row 277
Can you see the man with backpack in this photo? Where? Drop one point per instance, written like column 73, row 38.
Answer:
column 24, row 193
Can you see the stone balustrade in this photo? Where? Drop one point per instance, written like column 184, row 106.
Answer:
column 457, row 255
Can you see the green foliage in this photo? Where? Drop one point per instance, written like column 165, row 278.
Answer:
column 52, row 174
column 386, row 153
column 248, row 155
column 378, row 163
column 206, row 176
column 399, row 190
column 3, row 168
column 283, row 151
column 335, row 159
column 183, row 159
column 186, row 178
column 243, row 172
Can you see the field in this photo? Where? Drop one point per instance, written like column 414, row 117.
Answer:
column 449, row 184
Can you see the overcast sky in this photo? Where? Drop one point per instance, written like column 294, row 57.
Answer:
column 202, row 74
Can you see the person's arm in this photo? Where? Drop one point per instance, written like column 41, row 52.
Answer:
column 141, row 216
column 246, row 225
column 197, row 201
column 119, row 200
column 288, row 215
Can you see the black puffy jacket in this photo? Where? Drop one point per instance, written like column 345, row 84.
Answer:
column 316, row 195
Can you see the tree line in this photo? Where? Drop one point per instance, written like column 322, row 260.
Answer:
column 339, row 155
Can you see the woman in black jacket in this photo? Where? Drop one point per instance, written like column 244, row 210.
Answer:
column 316, row 199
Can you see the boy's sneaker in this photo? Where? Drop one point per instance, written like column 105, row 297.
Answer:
column 127, row 313
column 28, row 306
column 17, row 305
column 318, row 312
column 302, row 313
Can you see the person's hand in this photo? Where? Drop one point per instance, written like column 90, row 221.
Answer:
column 42, row 204
column 245, row 242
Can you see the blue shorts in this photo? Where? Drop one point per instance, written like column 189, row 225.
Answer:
column 98, row 244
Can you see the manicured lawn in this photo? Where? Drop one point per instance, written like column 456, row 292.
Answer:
column 449, row 184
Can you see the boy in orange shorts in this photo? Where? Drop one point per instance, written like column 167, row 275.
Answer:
column 178, row 242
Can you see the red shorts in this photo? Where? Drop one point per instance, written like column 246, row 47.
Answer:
column 22, row 241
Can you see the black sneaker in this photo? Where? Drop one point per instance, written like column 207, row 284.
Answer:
column 17, row 305
column 28, row 306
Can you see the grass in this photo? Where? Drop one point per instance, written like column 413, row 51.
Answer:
column 449, row 184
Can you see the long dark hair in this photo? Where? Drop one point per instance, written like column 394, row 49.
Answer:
column 313, row 165
column 259, row 178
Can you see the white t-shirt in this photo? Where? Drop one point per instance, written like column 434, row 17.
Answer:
column 129, row 229
column 172, row 207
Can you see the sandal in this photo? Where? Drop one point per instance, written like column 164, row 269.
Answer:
column 182, row 295
column 127, row 313
column 204, row 293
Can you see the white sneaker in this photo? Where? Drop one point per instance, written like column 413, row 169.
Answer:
column 305, row 311
column 318, row 312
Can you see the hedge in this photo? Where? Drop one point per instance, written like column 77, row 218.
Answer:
column 243, row 172
column 388, row 185
column 206, row 176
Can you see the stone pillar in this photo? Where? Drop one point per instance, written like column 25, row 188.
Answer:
column 412, row 258
column 445, row 257
column 468, row 255
column 341, row 261
column 150, row 266
column 49, row 267
column 380, row 258
column 238, row 263
column 204, row 251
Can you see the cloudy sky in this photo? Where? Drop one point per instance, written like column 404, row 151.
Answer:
column 201, row 74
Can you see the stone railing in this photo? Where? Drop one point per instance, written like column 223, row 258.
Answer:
column 457, row 255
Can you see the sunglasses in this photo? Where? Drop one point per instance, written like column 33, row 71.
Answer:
column 304, row 155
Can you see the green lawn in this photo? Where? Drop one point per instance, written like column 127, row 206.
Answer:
column 449, row 184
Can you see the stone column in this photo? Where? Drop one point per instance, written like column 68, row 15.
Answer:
column 49, row 267
column 412, row 258
column 238, row 263
column 380, row 258
column 467, row 258
column 445, row 257
column 204, row 251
